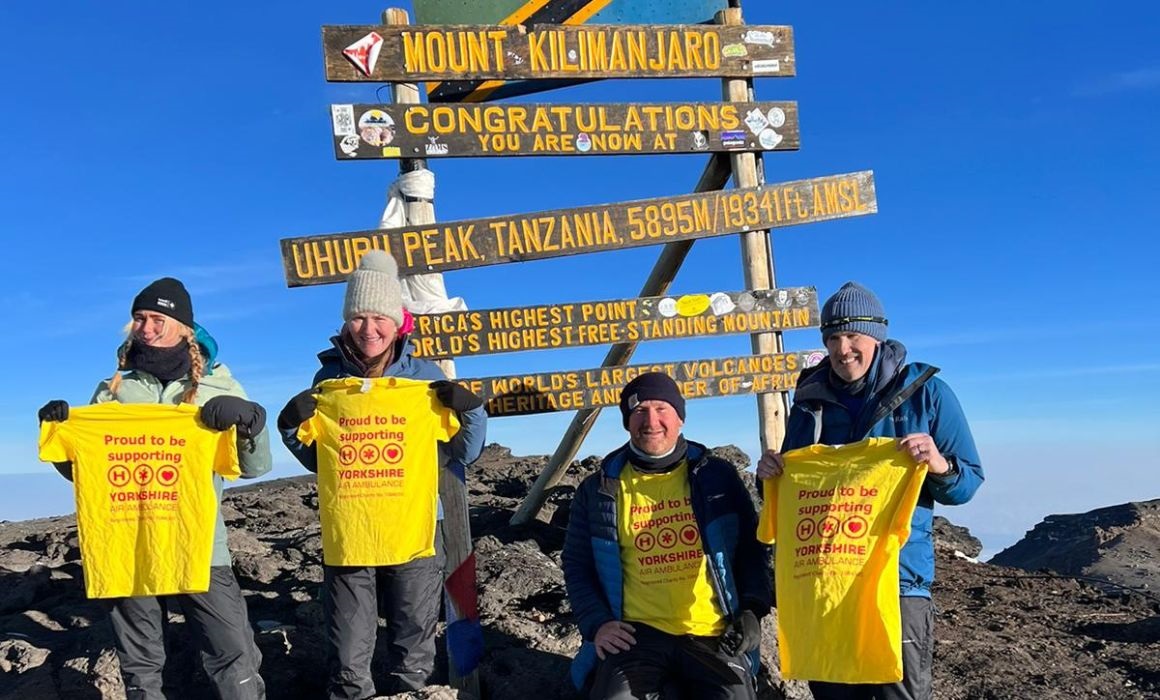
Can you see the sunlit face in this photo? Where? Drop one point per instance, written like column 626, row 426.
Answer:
column 373, row 334
column 155, row 329
column 654, row 426
column 851, row 354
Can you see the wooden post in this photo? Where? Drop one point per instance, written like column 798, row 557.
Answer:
column 452, row 491
column 757, row 257
column 714, row 177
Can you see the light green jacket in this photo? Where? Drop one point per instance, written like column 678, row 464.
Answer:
column 142, row 387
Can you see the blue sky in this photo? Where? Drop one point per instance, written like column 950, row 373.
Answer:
column 1014, row 146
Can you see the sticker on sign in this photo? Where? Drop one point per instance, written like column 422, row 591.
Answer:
column 342, row 117
column 767, row 65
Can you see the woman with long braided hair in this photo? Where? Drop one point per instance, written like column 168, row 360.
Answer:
column 168, row 359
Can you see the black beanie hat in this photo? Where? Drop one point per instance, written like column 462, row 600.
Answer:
column 166, row 296
column 651, row 386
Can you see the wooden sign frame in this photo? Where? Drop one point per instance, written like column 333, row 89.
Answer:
column 329, row 258
column 376, row 53
column 548, row 392
column 577, row 324
column 368, row 131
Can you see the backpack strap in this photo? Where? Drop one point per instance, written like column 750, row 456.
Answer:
column 901, row 397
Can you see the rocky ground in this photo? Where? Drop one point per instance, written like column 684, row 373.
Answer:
column 1002, row 632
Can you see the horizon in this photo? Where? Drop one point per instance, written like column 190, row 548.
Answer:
column 1012, row 245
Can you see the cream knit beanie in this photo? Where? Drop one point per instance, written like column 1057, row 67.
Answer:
column 374, row 288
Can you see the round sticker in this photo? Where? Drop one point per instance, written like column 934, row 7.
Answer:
column 814, row 359
column 721, row 303
column 693, row 304
column 583, row 143
column 769, row 139
column 376, row 127
column 667, row 307
column 746, row 302
column 775, row 116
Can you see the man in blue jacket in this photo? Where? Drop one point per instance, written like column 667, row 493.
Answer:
column 664, row 572
column 867, row 389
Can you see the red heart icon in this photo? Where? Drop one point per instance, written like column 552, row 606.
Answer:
column 854, row 527
column 392, row 453
column 167, row 475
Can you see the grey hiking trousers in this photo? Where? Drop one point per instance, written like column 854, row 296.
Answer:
column 409, row 595
column 221, row 630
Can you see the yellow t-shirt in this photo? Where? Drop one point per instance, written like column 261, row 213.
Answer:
column 378, row 468
column 843, row 514
column 666, row 577
column 146, row 504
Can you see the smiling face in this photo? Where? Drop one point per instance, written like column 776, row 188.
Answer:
column 654, row 426
column 372, row 334
column 155, row 330
column 851, row 354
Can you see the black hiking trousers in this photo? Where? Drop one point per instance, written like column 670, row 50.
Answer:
column 410, row 595
column 663, row 666
column 917, row 660
column 221, row 630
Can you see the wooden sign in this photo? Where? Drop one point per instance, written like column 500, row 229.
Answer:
column 441, row 131
column 472, row 52
column 492, row 331
column 536, row 12
column 593, row 388
column 329, row 258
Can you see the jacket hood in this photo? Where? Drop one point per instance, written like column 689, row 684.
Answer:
column 209, row 347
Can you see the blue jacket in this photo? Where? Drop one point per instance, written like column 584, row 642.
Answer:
column 461, row 450
column 902, row 399
column 738, row 563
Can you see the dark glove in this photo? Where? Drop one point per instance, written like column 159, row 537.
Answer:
column 742, row 635
column 297, row 410
column 455, row 397
column 54, row 411
column 221, row 412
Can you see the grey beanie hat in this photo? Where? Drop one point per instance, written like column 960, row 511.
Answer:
column 374, row 288
column 854, row 309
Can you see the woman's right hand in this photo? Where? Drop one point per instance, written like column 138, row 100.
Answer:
column 55, row 411
column 298, row 410
column 771, row 465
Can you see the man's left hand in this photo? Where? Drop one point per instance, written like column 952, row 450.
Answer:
column 742, row 635
column 921, row 447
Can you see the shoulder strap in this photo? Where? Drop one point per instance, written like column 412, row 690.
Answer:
column 899, row 398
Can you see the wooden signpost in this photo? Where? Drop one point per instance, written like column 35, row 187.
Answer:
column 375, row 53
column 456, row 245
column 546, row 327
column 455, row 131
column 526, row 394
column 522, row 46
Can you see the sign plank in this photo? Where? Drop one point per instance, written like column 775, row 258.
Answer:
column 547, row 392
column 536, row 12
column 436, row 131
column 329, row 258
column 373, row 53
column 491, row 331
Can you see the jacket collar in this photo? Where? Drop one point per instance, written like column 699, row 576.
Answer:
column 696, row 455
column 889, row 362
column 351, row 367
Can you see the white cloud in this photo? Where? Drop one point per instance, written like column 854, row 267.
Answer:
column 1140, row 79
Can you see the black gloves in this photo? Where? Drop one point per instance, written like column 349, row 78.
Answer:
column 455, row 397
column 55, row 411
column 221, row 412
column 742, row 635
column 298, row 410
